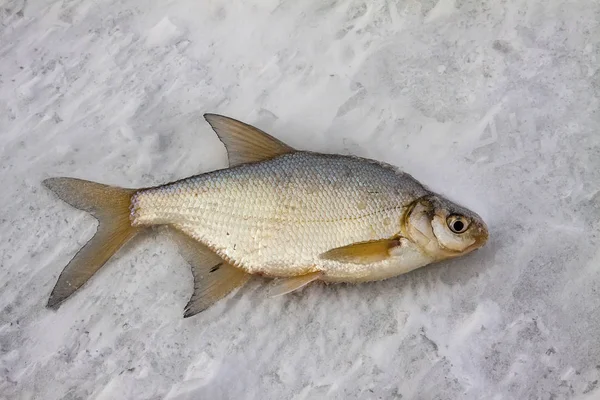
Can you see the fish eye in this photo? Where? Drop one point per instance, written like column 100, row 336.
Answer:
column 457, row 223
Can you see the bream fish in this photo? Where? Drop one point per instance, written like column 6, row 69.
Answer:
column 294, row 215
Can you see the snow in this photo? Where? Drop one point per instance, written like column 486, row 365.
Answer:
column 494, row 104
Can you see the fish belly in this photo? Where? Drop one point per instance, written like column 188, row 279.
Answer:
column 277, row 217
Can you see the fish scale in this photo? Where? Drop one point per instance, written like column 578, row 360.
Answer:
column 280, row 215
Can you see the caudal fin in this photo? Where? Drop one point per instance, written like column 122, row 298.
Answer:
column 110, row 206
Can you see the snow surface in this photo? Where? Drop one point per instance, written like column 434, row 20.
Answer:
column 492, row 103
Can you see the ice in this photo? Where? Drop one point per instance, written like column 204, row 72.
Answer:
column 493, row 104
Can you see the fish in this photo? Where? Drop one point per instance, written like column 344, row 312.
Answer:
column 291, row 215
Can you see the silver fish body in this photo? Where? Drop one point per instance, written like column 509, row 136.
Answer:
column 279, row 216
column 276, row 211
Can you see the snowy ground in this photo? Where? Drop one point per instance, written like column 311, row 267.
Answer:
column 493, row 103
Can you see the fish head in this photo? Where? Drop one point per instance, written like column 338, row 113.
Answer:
column 443, row 229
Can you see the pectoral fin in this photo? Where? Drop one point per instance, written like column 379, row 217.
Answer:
column 287, row 285
column 363, row 252
column 214, row 278
column 245, row 143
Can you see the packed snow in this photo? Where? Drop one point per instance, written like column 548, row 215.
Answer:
column 495, row 104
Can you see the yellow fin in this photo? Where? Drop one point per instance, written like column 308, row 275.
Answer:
column 214, row 278
column 287, row 285
column 110, row 206
column 245, row 143
column 363, row 252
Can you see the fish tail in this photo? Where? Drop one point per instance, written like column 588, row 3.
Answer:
column 110, row 205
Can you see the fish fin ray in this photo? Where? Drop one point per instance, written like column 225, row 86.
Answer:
column 214, row 278
column 110, row 206
column 363, row 252
column 245, row 143
column 286, row 285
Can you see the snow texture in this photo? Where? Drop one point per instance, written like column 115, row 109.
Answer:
column 492, row 103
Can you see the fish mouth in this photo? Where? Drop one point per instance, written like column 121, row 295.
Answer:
column 481, row 238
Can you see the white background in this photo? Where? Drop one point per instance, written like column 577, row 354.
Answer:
column 494, row 104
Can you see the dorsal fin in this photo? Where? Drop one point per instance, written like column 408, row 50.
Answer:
column 245, row 143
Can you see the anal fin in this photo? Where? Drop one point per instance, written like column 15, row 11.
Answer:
column 286, row 285
column 214, row 278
